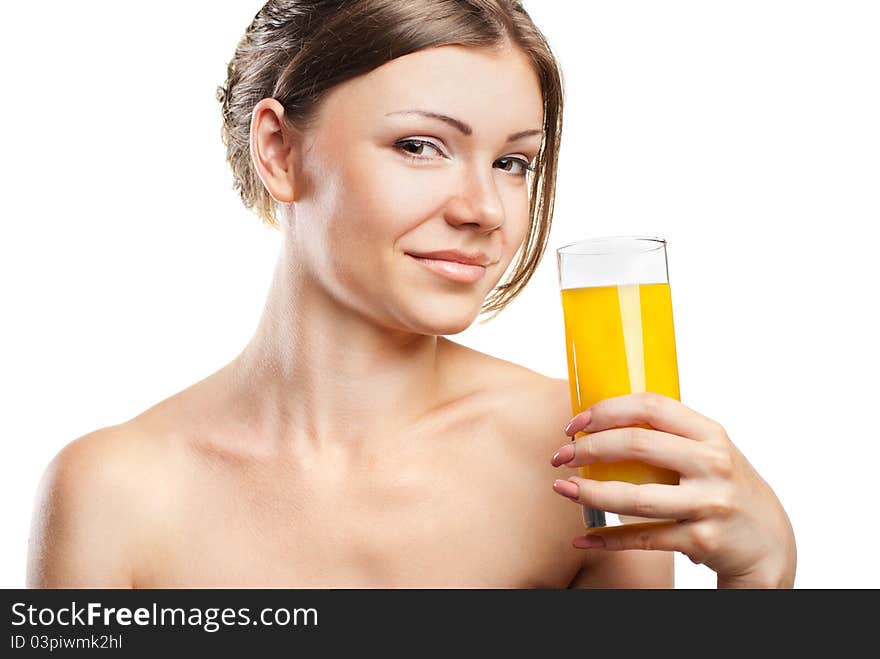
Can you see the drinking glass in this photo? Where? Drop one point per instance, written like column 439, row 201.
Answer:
column 619, row 339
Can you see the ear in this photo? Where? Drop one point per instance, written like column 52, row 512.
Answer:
column 274, row 151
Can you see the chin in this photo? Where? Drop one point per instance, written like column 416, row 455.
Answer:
column 444, row 319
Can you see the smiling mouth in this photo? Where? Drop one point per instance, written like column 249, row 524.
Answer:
column 452, row 270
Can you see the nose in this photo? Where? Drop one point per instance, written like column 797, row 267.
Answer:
column 477, row 205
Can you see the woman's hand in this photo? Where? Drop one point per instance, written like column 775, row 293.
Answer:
column 727, row 517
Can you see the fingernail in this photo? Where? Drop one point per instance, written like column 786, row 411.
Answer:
column 566, row 489
column 563, row 455
column 593, row 541
column 578, row 423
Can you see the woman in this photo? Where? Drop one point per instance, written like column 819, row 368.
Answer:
column 407, row 153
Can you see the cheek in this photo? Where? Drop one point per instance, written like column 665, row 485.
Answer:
column 402, row 198
column 517, row 220
column 383, row 200
column 366, row 212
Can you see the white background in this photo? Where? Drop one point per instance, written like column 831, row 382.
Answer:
column 744, row 133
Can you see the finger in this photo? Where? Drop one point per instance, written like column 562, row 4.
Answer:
column 648, row 536
column 688, row 538
column 654, row 447
column 645, row 500
column 659, row 412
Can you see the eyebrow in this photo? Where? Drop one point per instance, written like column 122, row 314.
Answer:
column 461, row 126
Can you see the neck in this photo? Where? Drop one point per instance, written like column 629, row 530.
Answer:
column 317, row 371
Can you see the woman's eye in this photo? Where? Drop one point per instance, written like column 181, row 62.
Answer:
column 523, row 165
column 415, row 149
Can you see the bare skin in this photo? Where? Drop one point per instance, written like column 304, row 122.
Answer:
column 358, row 448
column 350, row 444
column 463, row 498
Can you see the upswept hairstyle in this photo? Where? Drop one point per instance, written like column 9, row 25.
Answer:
column 296, row 50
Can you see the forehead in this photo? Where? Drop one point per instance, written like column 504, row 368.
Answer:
column 489, row 89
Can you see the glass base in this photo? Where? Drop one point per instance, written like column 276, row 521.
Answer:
column 593, row 519
column 597, row 519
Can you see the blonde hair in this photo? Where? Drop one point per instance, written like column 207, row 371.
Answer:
column 296, row 50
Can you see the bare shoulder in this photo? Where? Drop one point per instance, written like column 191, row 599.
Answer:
column 529, row 402
column 538, row 408
column 532, row 411
column 93, row 509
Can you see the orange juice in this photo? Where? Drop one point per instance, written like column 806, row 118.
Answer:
column 620, row 340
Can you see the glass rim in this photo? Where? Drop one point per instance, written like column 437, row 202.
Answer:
column 631, row 245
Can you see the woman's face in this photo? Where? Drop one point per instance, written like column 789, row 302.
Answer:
column 381, row 181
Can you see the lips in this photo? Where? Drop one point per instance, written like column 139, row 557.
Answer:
column 455, row 255
column 466, row 273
